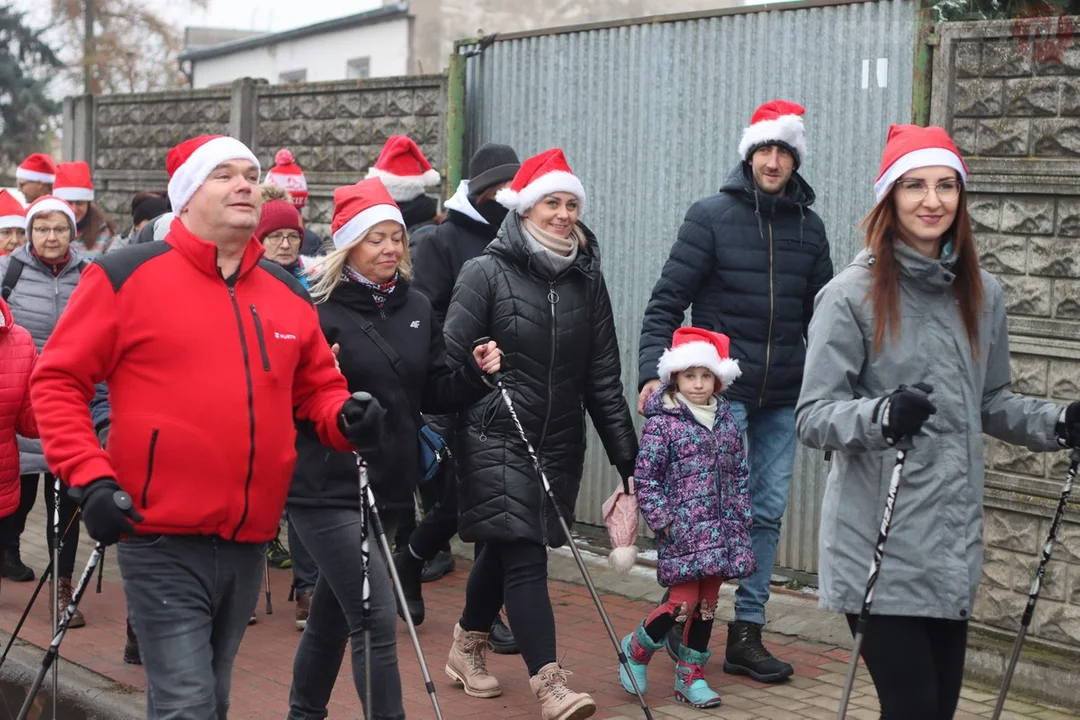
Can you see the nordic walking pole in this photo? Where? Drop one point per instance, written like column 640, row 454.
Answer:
column 123, row 501
column 45, row 575
column 100, row 571
column 875, row 566
column 365, row 569
column 53, row 651
column 370, row 519
column 56, row 590
column 266, row 579
column 384, row 545
column 569, row 539
column 1036, row 583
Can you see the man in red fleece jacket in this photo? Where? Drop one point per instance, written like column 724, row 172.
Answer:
column 209, row 351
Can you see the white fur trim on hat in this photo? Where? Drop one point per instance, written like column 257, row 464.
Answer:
column 548, row 183
column 622, row 559
column 697, row 354
column 190, row 176
column 48, row 205
column 13, row 221
column 363, row 221
column 74, row 194
column 34, row 176
column 405, row 187
column 787, row 129
column 925, row 157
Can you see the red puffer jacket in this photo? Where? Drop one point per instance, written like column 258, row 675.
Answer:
column 17, row 356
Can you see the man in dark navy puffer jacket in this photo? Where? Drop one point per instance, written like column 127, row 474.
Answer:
column 748, row 262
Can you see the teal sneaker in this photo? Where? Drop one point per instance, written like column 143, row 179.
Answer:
column 690, row 685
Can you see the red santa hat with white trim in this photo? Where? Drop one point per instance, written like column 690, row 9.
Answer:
column 37, row 167
column 48, row 204
column 360, row 207
column 12, row 213
column 695, row 347
column 910, row 147
column 287, row 174
column 777, row 122
column 403, row 169
column 73, row 182
column 540, row 176
column 192, row 161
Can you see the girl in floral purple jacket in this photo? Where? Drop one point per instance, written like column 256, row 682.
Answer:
column 691, row 485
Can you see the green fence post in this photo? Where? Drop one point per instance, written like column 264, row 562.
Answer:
column 923, row 66
column 455, row 120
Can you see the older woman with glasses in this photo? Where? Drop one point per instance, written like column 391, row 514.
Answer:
column 39, row 278
column 281, row 232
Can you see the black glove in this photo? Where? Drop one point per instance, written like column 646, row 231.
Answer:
column 107, row 510
column 362, row 421
column 905, row 412
column 1068, row 431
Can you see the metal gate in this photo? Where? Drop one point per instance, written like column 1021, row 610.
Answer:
column 650, row 113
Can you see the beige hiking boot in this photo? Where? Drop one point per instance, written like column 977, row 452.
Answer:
column 467, row 664
column 558, row 702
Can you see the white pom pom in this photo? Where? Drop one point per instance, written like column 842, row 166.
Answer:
column 622, row 559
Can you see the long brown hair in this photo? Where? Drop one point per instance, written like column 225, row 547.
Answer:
column 93, row 223
column 882, row 233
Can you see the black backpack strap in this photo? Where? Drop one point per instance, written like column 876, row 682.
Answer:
column 380, row 342
column 11, row 277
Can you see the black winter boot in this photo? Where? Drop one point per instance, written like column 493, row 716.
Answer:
column 410, row 570
column 14, row 569
column 439, row 566
column 747, row 656
column 501, row 639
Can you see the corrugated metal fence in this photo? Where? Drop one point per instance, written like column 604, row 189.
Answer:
column 650, row 116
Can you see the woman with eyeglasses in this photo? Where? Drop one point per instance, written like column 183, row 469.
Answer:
column 910, row 346
column 281, row 232
column 38, row 278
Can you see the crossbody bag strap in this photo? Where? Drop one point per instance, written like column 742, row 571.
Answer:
column 380, row 342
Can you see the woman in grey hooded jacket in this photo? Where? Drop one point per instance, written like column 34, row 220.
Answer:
column 914, row 307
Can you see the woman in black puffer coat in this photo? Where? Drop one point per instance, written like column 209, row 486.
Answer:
column 365, row 304
column 538, row 292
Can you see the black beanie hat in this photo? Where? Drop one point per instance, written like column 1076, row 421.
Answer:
column 492, row 165
column 147, row 206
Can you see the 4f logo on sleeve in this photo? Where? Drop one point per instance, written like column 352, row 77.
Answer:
column 414, row 324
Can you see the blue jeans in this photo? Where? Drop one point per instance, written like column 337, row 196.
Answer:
column 189, row 599
column 332, row 535
column 770, row 452
column 305, row 571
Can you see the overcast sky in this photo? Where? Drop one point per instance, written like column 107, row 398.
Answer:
column 267, row 15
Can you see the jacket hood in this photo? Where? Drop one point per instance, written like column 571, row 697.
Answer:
column 929, row 273
column 459, row 202
column 740, row 183
column 510, row 243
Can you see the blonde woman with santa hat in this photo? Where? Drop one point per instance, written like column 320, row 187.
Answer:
column 538, row 291
column 391, row 345
column 93, row 228
column 910, row 346
column 407, row 174
column 691, row 485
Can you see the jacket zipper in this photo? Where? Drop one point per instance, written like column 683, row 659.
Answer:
column 772, row 312
column 251, row 408
column 553, row 298
column 262, row 339
column 150, row 466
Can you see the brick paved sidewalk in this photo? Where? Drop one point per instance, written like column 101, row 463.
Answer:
column 264, row 666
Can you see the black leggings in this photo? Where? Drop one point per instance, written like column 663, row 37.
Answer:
column 517, row 572
column 67, row 512
column 917, row 664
